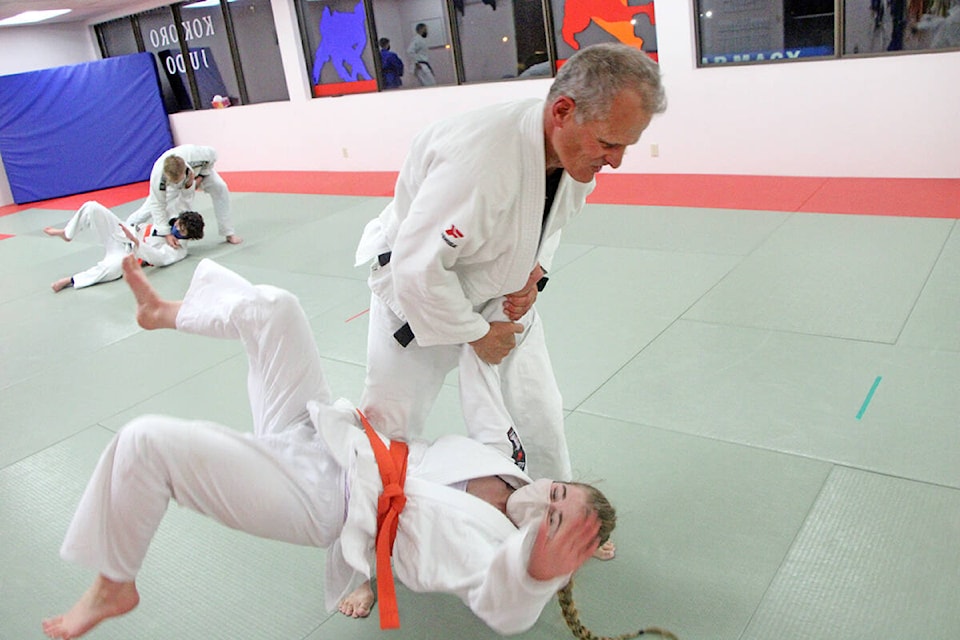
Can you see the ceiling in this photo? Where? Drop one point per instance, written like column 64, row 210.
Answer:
column 81, row 10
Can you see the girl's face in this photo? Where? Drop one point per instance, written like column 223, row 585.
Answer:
column 563, row 503
column 569, row 505
column 529, row 503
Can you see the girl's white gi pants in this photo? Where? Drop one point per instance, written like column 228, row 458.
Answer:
column 279, row 482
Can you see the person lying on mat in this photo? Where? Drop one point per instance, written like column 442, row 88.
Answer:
column 119, row 239
column 314, row 472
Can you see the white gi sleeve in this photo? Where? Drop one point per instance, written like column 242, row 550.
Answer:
column 507, row 598
column 450, row 218
column 160, row 255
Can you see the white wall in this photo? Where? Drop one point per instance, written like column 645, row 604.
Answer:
column 42, row 47
column 892, row 116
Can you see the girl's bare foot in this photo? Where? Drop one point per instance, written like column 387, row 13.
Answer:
column 234, row 239
column 104, row 599
column 153, row 312
column 61, row 284
column 606, row 551
column 359, row 603
column 56, row 232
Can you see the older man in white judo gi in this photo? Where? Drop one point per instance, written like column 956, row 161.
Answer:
column 119, row 240
column 473, row 524
column 458, row 256
column 178, row 173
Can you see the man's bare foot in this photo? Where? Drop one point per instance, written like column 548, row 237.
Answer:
column 153, row 312
column 104, row 599
column 359, row 603
column 606, row 551
column 61, row 284
column 234, row 239
column 57, row 233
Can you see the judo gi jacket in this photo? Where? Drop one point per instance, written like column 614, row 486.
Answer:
column 466, row 223
column 448, row 540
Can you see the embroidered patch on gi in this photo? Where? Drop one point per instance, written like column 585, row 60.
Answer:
column 519, row 457
column 451, row 234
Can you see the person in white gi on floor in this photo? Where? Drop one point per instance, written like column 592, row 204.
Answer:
column 178, row 173
column 473, row 524
column 119, row 240
column 459, row 255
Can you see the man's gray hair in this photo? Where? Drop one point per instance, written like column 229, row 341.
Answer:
column 593, row 76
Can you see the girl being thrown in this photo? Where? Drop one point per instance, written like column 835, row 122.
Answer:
column 309, row 475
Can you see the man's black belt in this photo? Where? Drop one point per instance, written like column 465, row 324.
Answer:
column 403, row 335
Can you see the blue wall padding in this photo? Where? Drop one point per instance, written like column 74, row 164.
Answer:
column 83, row 127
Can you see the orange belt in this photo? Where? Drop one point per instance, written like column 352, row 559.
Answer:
column 146, row 234
column 392, row 463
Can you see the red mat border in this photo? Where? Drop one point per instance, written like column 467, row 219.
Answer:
column 911, row 197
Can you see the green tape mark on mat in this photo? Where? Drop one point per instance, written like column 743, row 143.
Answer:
column 866, row 401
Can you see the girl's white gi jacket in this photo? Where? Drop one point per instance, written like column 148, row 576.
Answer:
column 464, row 225
column 448, row 540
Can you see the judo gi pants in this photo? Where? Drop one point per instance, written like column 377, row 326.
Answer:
column 521, row 392
column 213, row 185
column 102, row 222
column 424, row 74
column 279, row 482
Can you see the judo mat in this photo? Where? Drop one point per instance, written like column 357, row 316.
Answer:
column 768, row 396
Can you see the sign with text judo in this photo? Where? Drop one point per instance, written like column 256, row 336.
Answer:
column 81, row 127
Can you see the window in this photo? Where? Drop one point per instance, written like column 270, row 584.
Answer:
column 419, row 35
column 501, row 38
column 880, row 26
column 580, row 24
column 259, row 50
column 336, row 40
column 210, row 57
column 744, row 31
column 196, row 46
column 419, row 44
column 160, row 37
column 117, row 38
column 760, row 31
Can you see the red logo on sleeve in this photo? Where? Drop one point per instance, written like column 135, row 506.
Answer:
column 453, row 232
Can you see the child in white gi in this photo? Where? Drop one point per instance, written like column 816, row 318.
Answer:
column 119, row 240
column 307, row 475
column 178, row 173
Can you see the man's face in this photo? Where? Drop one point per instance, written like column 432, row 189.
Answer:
column 582, row 149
